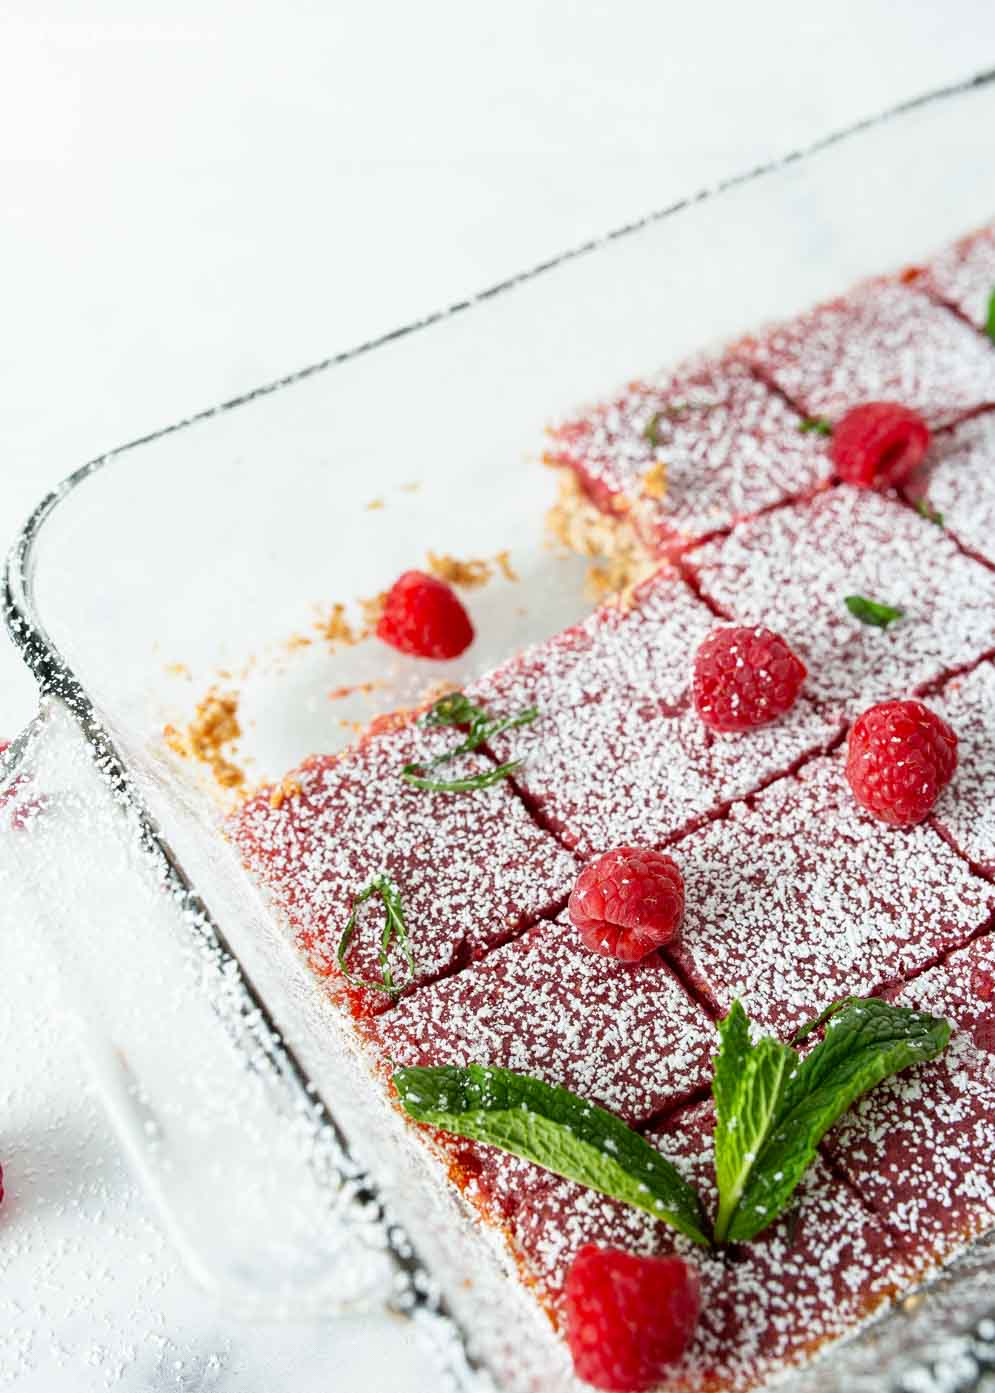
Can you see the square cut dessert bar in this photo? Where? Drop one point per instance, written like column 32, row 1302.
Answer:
column 799, row 897
column 686, row 455
column 470, row 869
column 965, row 810
column 958, row 480
column 793, row 569
column 963, row 275
column 824, row 1266
column 883, row 341
column 618, row 754
column 920, row 1148
column 623, row 1035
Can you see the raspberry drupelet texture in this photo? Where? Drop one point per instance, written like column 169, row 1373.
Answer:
column 424, row 617
column 628, row 903
column 900, row 757
column 628, row 1317
column 879, row 445
column 745, row 677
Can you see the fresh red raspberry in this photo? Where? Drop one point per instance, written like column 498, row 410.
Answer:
column 628, row 1318
column 745, row 677
column 900, row 758
column 423, row 616
column 878, row 445
column 628, row 903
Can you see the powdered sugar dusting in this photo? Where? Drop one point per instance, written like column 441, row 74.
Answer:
column 964, row 275
column 728, row 446
column 792, row 569
column 623, row 1035
column 884, row 341
column 920, row 1146
column 966, row 808
column 618, row 754
column 355, row 818
column 800, row 897
column 824, row 1265
column 959, row 481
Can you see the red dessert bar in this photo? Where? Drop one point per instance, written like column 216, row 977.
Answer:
column 470, row 869
column 639, row 1044
column 964, row 275
column 823, row 1267
column 884, row 341
column 921, row 1149
column 618, row 753
column 958, row 482
column 965, row 812
column 799, row 897
column 793, row 569
column 689, row 455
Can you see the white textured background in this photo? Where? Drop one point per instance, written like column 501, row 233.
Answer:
column 197, row 197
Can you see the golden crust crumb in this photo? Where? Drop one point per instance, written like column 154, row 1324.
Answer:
column 209, row 738
column 374, row 505
column 336, row 628
column 503, row 562
column 286, row 788
column 372, row 609
column 654, row 482
column 468, row 574
column 574, row 523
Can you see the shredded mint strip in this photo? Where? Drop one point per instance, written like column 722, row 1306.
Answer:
column 817, row 425
column 455, row 709
column 990, row 321
column 395, row 927
column 557, row 1130
column 926, row 510
column 773, row 1108
column 871, row 611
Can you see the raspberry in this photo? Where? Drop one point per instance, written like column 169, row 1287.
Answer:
column 423, row 616
column 628, row 903
column 745, row 677
column 879, row 444
column 900, row 758
column 628, row 1318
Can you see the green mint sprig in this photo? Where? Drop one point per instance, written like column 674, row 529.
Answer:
column 395, row 928
column 558, row 1131
column 815, row 425
column 926, row 510
column 772, row 1109
column 990, row 321
column 871, row 611
column 456, row 709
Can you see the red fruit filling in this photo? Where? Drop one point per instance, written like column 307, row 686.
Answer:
column 745, row 677
column 900, row 758
column 879, row 444
column 628, row 903
column 424, row 617
column 628, row 1318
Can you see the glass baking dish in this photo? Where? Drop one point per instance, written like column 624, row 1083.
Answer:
column 203, row 554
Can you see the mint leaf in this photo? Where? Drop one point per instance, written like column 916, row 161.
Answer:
column 990, row 321
column 871, row 611
column 411, row 776
column 558, row 1131
column 395, row 927
column 748, row 1087
column 456, row 709
column 785, row 1105
column 817, row 424
column 926, row 510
